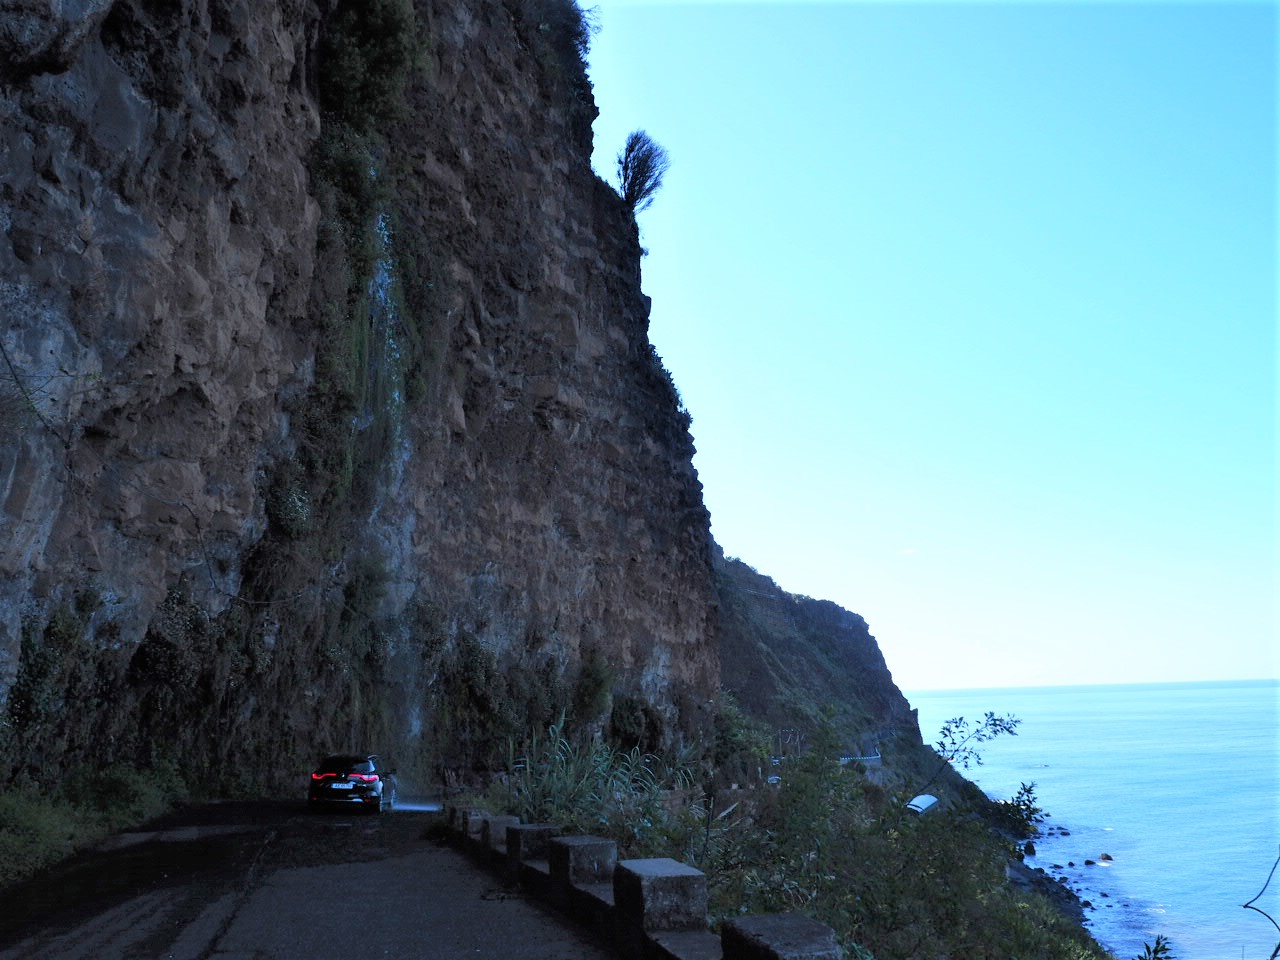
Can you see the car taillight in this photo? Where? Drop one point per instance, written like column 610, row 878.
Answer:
column 321, row 776
column 366, row 777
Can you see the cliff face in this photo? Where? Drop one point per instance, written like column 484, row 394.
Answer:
column 156, row 263
column 328, row 416
column 555, row 495
column 789, row 658
column 317, row 436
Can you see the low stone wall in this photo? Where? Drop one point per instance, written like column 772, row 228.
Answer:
column 647, row 909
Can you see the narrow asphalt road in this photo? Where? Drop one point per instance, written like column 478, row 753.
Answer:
column 273, row 881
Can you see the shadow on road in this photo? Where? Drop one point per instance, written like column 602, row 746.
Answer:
column 206, row 845
column 271, row 881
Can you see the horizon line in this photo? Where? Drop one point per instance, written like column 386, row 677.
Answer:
column 1274, row 681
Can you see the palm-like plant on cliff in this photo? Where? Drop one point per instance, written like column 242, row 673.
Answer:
column 641, row 166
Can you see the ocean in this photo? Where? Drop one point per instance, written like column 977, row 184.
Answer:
column 1178, row 783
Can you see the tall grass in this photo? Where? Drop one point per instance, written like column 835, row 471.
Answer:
column 643, row 801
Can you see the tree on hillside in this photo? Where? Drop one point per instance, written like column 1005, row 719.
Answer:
column 641, row 167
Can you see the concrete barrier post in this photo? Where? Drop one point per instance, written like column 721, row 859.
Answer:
column 493, row 831
column 660, row 894
column 471, row 822
column 581, row 872
column 779, row 936
column 529, row 841
column 527, row 854
column 581, row 861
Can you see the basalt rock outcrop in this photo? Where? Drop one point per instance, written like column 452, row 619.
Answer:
column 328, row 416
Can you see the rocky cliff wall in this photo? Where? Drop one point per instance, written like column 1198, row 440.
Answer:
column 788, row 659
column 326, row 423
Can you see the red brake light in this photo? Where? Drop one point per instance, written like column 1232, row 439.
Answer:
column 366, row 777
column 321, row 776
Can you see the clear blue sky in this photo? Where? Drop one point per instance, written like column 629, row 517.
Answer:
column 974, row 308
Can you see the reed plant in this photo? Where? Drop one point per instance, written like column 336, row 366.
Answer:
column 645, row 802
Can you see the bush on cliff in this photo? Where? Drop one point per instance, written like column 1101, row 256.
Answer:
column 642, row 164
column 367, row 53
column 561, row 32
column 741, row 751
column 834, row 845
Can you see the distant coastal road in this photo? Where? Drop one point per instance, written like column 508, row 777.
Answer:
column 239, row 881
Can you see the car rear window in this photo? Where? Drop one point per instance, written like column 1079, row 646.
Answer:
column 345, row 764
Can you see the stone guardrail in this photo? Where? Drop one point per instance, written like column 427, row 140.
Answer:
column 647, row 909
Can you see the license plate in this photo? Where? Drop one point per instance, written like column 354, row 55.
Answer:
column 340, row 786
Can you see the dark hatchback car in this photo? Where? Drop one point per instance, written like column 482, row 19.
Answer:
column 362, row 780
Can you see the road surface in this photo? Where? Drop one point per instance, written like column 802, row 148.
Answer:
column 273, row 881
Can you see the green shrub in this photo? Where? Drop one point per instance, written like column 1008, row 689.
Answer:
column 1020, row 815
column 476, row 714
column 634, row 722
column 35, row 833
column 120, row 796
column 830, row 843
column 591, row 692
column 367, row 54
column 40, row 825
column 288, row 503
column 741, row 748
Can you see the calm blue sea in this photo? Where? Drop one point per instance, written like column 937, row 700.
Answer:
column 1179, row 783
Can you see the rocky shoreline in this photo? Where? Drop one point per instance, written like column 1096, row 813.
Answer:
column 1055, row 890
column 1073, row 878
column 1067, row 893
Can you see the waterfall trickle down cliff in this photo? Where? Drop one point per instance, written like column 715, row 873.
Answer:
column 391, row 521
column 386, row 360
